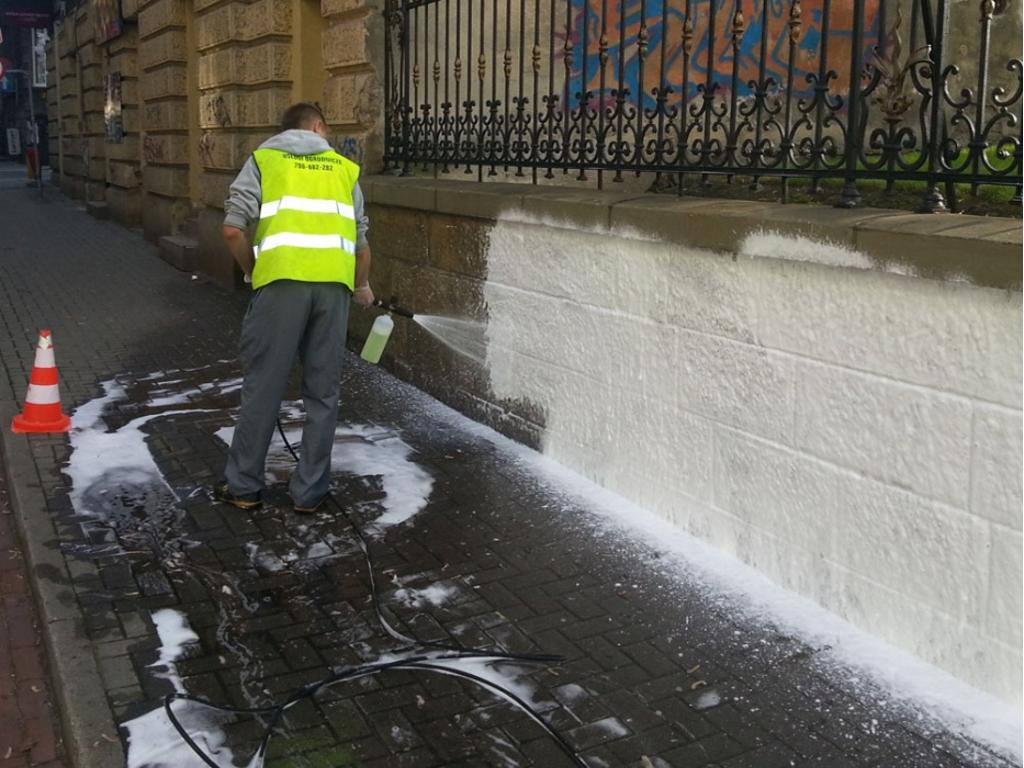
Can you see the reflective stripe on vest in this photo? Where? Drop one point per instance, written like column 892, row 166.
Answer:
column 307, row 204
column 307, row 227
column 300, row 240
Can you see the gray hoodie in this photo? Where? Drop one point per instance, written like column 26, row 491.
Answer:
column 242, row 208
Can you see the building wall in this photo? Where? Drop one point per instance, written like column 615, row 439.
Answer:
column 204, row 83
column 123, row 192
column 833, row 398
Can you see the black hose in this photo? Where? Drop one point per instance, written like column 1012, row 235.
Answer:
column 425, row 663
column 418, row 662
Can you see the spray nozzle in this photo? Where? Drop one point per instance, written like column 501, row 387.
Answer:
column 391, row 305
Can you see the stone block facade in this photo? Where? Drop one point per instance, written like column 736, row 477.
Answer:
column 767, row 378
column 203, row 83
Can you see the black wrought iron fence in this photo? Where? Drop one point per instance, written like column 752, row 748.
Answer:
column 850, row 90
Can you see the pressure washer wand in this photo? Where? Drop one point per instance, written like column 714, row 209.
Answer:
column 392, row 306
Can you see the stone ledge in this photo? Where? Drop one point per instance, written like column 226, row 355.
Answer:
column 985, row 251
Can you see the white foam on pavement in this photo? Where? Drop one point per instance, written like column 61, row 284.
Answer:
column 116, row 458
column 105, row 461
column 175, row 634
column 507, row 676
column 363, row 451
column 153, row 742
column 435, row 595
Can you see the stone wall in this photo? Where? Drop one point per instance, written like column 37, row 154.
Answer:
column 124, row 161
column 832, row 397
column 163, row 75
column 205, row 82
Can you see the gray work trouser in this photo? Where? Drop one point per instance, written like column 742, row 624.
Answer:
column 288, row 318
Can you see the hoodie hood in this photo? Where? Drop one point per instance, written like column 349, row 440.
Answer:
column 298, row 142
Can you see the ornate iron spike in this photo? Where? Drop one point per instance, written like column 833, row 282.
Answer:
column 688, row 36
column 738, row 26
column 988, row 8
column 795, row 21
column 892, row 97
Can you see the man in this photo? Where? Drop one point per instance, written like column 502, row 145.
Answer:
column 308, row 259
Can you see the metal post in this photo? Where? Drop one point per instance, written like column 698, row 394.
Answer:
column 60, row 105
column 851, row 196
column 33, row 135
column 935, row 32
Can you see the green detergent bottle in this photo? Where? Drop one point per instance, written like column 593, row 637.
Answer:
column 377, row 339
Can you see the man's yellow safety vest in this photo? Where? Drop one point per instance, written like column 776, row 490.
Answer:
column 307, row 227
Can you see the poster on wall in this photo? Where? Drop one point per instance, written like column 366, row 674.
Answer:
column 40, row 38
column 107, row 15
column 13, row 142
column 112, row 109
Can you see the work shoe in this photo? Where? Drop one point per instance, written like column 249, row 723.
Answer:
column 222, row 493
column 309, row 509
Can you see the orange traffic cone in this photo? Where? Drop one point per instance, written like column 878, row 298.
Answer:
column 42, row 403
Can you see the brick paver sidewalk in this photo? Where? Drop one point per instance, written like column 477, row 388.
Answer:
column 657, row 673
column 28, row 727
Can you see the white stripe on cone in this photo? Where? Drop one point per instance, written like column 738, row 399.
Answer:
column 43, row 394
column 44, row 356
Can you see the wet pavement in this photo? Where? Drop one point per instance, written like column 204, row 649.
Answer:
column 472, row 547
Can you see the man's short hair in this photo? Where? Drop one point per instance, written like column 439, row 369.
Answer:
column 301, row 115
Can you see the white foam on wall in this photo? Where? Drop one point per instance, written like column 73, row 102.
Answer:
column 768, row 244
column 648, row 361
column 739, row 587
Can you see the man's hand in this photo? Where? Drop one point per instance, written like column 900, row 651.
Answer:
column 363, row 296
column 238, row 245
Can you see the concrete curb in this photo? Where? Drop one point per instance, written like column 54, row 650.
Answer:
column 86, row 719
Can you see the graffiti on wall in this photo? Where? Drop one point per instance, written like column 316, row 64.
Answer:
column 107, row 19
column 113, row 117
column 153, row 149
column 664, row 20
column 351, row 147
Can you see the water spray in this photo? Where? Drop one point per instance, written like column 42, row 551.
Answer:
column 461, row 335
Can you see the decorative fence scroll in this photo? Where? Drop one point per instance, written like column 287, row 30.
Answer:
column 859, row 89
